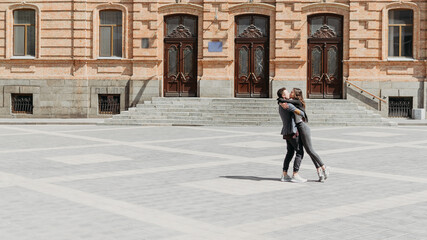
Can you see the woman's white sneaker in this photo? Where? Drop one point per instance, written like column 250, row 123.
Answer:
column 326, row 172
column 321, row 176
column 298, row 179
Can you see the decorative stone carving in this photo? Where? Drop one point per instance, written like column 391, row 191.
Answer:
column 251, row 32
column 180, row 32
column 324, row 32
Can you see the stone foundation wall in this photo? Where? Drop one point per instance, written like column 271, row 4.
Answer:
column 415, row 90
column 73, row 98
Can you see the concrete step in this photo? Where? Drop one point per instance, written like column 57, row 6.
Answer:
column 169, row 112
column 232, row 123
column 351, row 116
column 241, row 112
column 244, row 118
column 245, row 108
column 237, row 112
column 239, row 102
column 197, row 99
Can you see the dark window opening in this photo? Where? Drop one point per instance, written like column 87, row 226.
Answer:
column 22, row 103
column 109, row 103
column 400, row 107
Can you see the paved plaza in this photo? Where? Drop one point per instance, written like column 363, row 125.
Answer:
column 72, row 182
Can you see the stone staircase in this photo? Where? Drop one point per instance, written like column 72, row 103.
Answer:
column 242, row 112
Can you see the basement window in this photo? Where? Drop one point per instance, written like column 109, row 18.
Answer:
column 400, row 107
column 22, row 103
column 109, row 103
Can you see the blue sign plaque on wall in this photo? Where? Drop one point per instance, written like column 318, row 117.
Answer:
column 215, row 46
column 145, row 43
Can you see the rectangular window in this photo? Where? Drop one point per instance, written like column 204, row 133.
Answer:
column 400, row 33
column 19, row 40
column 109, row 103
column 110, row 32
column 24, row 33
column 22, row 103
column 400, row 107
column 105, row 41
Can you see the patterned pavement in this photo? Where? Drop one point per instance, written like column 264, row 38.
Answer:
column 86, row 182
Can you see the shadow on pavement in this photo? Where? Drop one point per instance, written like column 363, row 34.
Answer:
column 253, row 178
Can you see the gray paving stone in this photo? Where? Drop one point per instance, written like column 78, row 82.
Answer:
column 208, row 183
column 38, row 165
column 30, row 215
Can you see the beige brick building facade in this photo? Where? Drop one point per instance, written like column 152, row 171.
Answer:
column 58, row 51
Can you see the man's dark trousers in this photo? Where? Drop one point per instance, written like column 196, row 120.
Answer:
column 293, row 145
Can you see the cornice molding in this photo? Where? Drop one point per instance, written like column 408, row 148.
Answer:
column 410, row 5
column 110, row 5
column 244, row 6
column 318, row 6
column 173, row 7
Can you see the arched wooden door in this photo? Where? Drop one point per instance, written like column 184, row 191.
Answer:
column 251, row 56
column 180, row 59
column 324, row 76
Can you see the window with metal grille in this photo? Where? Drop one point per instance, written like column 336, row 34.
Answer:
column 109, row 103
column 22, row 103
column 400, row 107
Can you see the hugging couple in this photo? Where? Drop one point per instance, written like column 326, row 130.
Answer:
column 297, row 135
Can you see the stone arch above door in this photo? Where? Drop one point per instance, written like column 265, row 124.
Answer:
column 329, row 8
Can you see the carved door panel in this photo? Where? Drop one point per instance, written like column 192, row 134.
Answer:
column 180, row 56
column 332, row 71
column 188, row 60
column 324, row 69
column 172, row 73
column 315, row 71
column 180, row 71
column 243, row 70
column 251, row 57
column 259, row 71
column 251, row 70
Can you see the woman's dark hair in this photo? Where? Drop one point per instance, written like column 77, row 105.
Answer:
column 280, row 92
column 298, row 95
